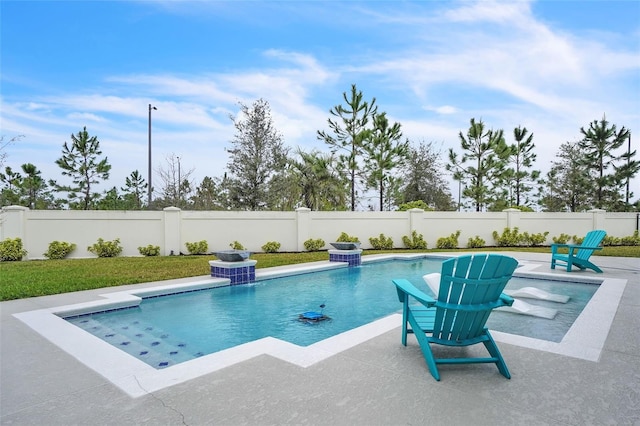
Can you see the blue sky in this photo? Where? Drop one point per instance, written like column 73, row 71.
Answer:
column 550, row 66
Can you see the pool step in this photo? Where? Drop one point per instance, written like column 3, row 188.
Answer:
column 144, row 342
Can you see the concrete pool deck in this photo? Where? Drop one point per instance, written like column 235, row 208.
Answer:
column 375, row 382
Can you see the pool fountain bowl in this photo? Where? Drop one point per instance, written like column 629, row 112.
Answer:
column 233, row 255
column 346, row 245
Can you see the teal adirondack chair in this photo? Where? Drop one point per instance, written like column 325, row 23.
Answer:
column 579, row 254
column 470, row 288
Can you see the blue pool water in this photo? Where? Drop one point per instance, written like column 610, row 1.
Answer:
column 163, row 331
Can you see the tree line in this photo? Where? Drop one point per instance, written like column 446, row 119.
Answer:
column 369, row 165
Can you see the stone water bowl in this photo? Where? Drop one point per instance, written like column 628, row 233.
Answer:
column 232, row 255
column 346, row 246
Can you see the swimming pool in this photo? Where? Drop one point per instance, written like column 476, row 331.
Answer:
column 584, row 340
column 167, row 330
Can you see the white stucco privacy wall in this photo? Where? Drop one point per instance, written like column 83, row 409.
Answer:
column 171, row 228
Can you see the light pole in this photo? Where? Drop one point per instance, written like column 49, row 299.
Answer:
column 457, row 175
column 149, row 183
column 179, row 199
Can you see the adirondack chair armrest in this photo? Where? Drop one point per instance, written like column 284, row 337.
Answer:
column 404, row 286
column 503, row 300
column 556, row 246
column 506, row 299
column 590, row 248
column 571, row 247
column 474, row 307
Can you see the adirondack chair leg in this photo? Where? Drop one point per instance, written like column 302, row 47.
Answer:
column 426, row 350
column 595, row 268
column 569, row 264
column 404, row 333
column 495, row 353
column 429, row 358
column 405, row 319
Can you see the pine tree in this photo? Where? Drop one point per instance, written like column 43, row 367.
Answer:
column 487, row 151
column 11, row 190
column 599, row 144
column 521, row 157
column 34, row 186
column 80, row 162
column 258, row 153
column 350, row 130
column 383, row 154
column 134, row 190
column 424, row 180
column 569, row 184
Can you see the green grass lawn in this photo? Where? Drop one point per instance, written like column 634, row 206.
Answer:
column 44, row 277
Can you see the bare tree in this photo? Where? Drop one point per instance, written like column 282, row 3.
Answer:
column 176, row 185
column 4, row 143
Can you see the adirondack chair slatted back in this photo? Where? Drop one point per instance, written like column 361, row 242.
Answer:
column 468, row 285
column 592, row 239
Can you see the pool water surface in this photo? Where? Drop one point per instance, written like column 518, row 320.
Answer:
column 168, row 330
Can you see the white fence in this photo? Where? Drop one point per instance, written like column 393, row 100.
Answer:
column 172, row 228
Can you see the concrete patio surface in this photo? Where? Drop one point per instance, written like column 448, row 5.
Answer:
column 378, row 382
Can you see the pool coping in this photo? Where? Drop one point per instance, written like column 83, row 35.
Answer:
column 584, row 340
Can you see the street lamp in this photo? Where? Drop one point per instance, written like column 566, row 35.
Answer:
column 150, row 187
column 179, row 198
column 457, row 175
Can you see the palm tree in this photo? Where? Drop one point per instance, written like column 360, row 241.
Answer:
column 321, row 187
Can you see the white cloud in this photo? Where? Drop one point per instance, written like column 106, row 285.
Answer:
column 84, row 117
column 443, row 109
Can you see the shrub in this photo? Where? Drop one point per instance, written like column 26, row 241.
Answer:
column 200, row 247
column 314, row 245
column 149, row 250
column 11, row 249
column 449, row 242
column 577, row 240
column 415, row 241
column 562, row 239
column 509, row 238
column 522, row 208
column 610, row 240
column 534, row 239
column 106, row 248
column 381, row 243
column 346, row 238
column 59, row 250
column 633, row 240
column 475, row 242
column 418, row 204
column 271, row 247
column 236, row 245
